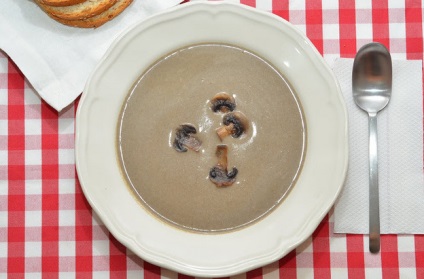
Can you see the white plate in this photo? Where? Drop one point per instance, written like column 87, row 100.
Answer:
column 291, row 222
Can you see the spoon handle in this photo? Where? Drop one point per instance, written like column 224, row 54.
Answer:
column 374, row 218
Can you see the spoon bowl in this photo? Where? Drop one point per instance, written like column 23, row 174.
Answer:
column 372, row 77
column 372, row 89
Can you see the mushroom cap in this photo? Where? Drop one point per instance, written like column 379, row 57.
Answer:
column 223, row 102
column 184, row 139
column 221, row 177
column 239, row 121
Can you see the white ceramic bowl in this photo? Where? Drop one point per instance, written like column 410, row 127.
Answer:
column 292, row 221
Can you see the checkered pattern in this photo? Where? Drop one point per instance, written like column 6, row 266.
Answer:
column 47, row 228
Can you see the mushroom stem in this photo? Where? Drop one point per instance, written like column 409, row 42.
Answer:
column 221, row 153
column 225, row 131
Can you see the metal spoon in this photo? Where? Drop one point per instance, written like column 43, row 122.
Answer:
column 372, row 87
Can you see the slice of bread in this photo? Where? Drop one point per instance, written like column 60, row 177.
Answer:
column 98, row 20
column 86, row 9
column 61, row 3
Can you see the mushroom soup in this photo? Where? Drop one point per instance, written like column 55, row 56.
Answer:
column 187, row 165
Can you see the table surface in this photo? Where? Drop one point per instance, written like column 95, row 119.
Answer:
column 47, row 228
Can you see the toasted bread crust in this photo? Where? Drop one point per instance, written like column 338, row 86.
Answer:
column 98, row 20
column 82, row 10
column 61, row 3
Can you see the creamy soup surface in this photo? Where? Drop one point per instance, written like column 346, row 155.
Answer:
column 177, row 89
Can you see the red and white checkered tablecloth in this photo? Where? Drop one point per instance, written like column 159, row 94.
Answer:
column 47, row 228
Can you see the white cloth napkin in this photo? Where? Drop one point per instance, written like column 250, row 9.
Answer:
column 58, row 59
column 400, row 151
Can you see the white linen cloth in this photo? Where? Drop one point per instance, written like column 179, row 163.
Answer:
column 400, row 151
column 56, row 59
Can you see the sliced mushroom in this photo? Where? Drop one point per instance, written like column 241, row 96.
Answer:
column 223, row 102
column 235, row 124
column 219, row 173
column 184, row 138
